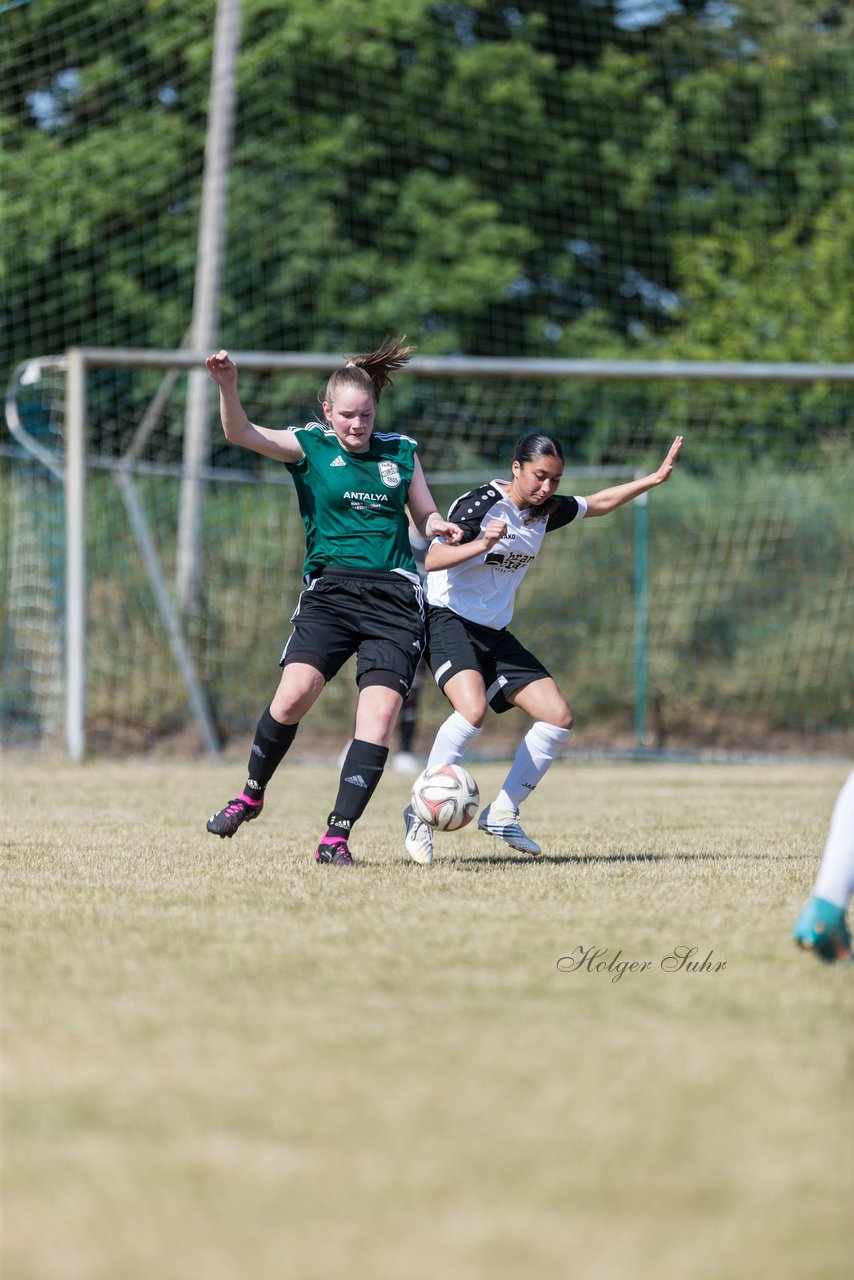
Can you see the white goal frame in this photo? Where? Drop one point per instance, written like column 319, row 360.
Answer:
column 75, row 364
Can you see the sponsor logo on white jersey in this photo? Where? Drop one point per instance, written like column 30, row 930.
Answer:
column 509, row 564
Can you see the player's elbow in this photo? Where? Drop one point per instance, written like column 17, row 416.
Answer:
column 235, row 432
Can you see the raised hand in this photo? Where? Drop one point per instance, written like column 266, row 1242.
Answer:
column 666, row 469
column 222, row 369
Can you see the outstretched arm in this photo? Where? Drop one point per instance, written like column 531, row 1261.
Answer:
column 282, row 446
column 422, row 510
column 607, row 500
column 442, row 556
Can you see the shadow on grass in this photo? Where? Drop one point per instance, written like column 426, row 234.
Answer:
column 579, row 860
column 557, row 859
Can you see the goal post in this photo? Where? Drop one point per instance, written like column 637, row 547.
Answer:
column 463, row 412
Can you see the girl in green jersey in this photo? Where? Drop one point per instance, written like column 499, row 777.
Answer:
column 356, row 488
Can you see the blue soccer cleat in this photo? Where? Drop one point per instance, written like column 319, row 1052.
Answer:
column 821, row 928
column 505, row 823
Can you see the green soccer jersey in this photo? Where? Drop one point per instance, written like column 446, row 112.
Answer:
column 353, row 505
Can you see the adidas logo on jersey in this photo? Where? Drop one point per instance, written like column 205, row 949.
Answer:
column 339, row 462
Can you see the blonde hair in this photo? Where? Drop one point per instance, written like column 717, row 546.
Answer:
column 372, row 370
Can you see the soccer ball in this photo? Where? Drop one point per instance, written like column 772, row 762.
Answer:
column 445, row 797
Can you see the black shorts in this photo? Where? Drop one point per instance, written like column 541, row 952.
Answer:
column 454, row 644
column 377, row 616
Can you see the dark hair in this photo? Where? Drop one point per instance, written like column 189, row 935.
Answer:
column 537, row 444
column 372, row 371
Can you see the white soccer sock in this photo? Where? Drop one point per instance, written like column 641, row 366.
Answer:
column 537, row 751
column 452, row 740
column 835, row 880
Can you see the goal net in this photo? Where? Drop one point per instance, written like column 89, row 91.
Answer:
column 547, row 180
column 717, row 614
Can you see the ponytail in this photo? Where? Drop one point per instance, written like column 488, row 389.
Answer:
column 373, row 369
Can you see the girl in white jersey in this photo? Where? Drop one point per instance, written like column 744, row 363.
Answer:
column 476, row 661
column 357, row 490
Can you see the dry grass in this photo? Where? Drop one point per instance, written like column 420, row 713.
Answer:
column 223, row 1062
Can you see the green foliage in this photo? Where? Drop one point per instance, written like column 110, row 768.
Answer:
column 489, row 178
column 533, row 180
column 748, row 591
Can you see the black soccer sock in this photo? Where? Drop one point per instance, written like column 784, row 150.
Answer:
column 361, row 771
column 269, row 747
column 408, row 720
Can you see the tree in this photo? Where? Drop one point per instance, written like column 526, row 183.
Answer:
column 535, row 179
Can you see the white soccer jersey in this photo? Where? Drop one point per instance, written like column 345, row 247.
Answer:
column 483, row 589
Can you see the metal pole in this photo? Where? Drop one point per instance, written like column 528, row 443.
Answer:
column 206, row 294
column 192, row 683
column 75, row 555
column 487, row 366
column 641, row 637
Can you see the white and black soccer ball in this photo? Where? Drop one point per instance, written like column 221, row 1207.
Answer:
column 445, row 797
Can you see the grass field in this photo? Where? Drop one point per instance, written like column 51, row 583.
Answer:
column 223, row 1062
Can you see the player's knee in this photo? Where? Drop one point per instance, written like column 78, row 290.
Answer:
column 286, row 709
column 297, row 691
column 473, row 709
column 563, row 719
